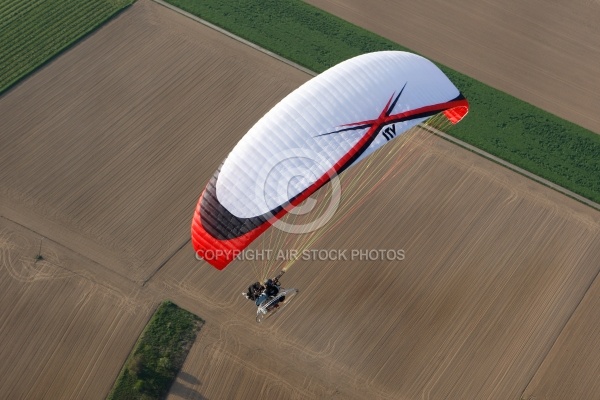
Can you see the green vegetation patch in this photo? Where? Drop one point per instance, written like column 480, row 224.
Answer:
column 32, row 32
column 158, row 354
column 498, row 123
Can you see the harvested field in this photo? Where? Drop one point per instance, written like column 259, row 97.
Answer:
column 570, row 371
column 495, row 266
column 545, row 53
column 63, row 335
column 104, row 153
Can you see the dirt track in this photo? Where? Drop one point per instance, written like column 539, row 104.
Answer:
column 104, row 153
column 544, row 52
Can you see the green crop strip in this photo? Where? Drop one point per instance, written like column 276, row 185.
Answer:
column 33, row 32
column 158, row 355
column 498, row 123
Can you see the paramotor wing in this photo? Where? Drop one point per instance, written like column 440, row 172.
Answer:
column 325, row 126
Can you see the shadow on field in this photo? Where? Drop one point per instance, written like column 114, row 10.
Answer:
column 188, row 378
column 180, row 390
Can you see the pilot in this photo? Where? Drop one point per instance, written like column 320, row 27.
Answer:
column 260, row 294
column 254, row 291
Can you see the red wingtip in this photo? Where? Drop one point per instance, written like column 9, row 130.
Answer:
column 458, row 112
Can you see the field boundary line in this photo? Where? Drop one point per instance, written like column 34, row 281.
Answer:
column 512, row 167
column 90, row 278
column 436, row 132
column 235, row 37
column 162, row 264
column 586, row 293
column 74, row 43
